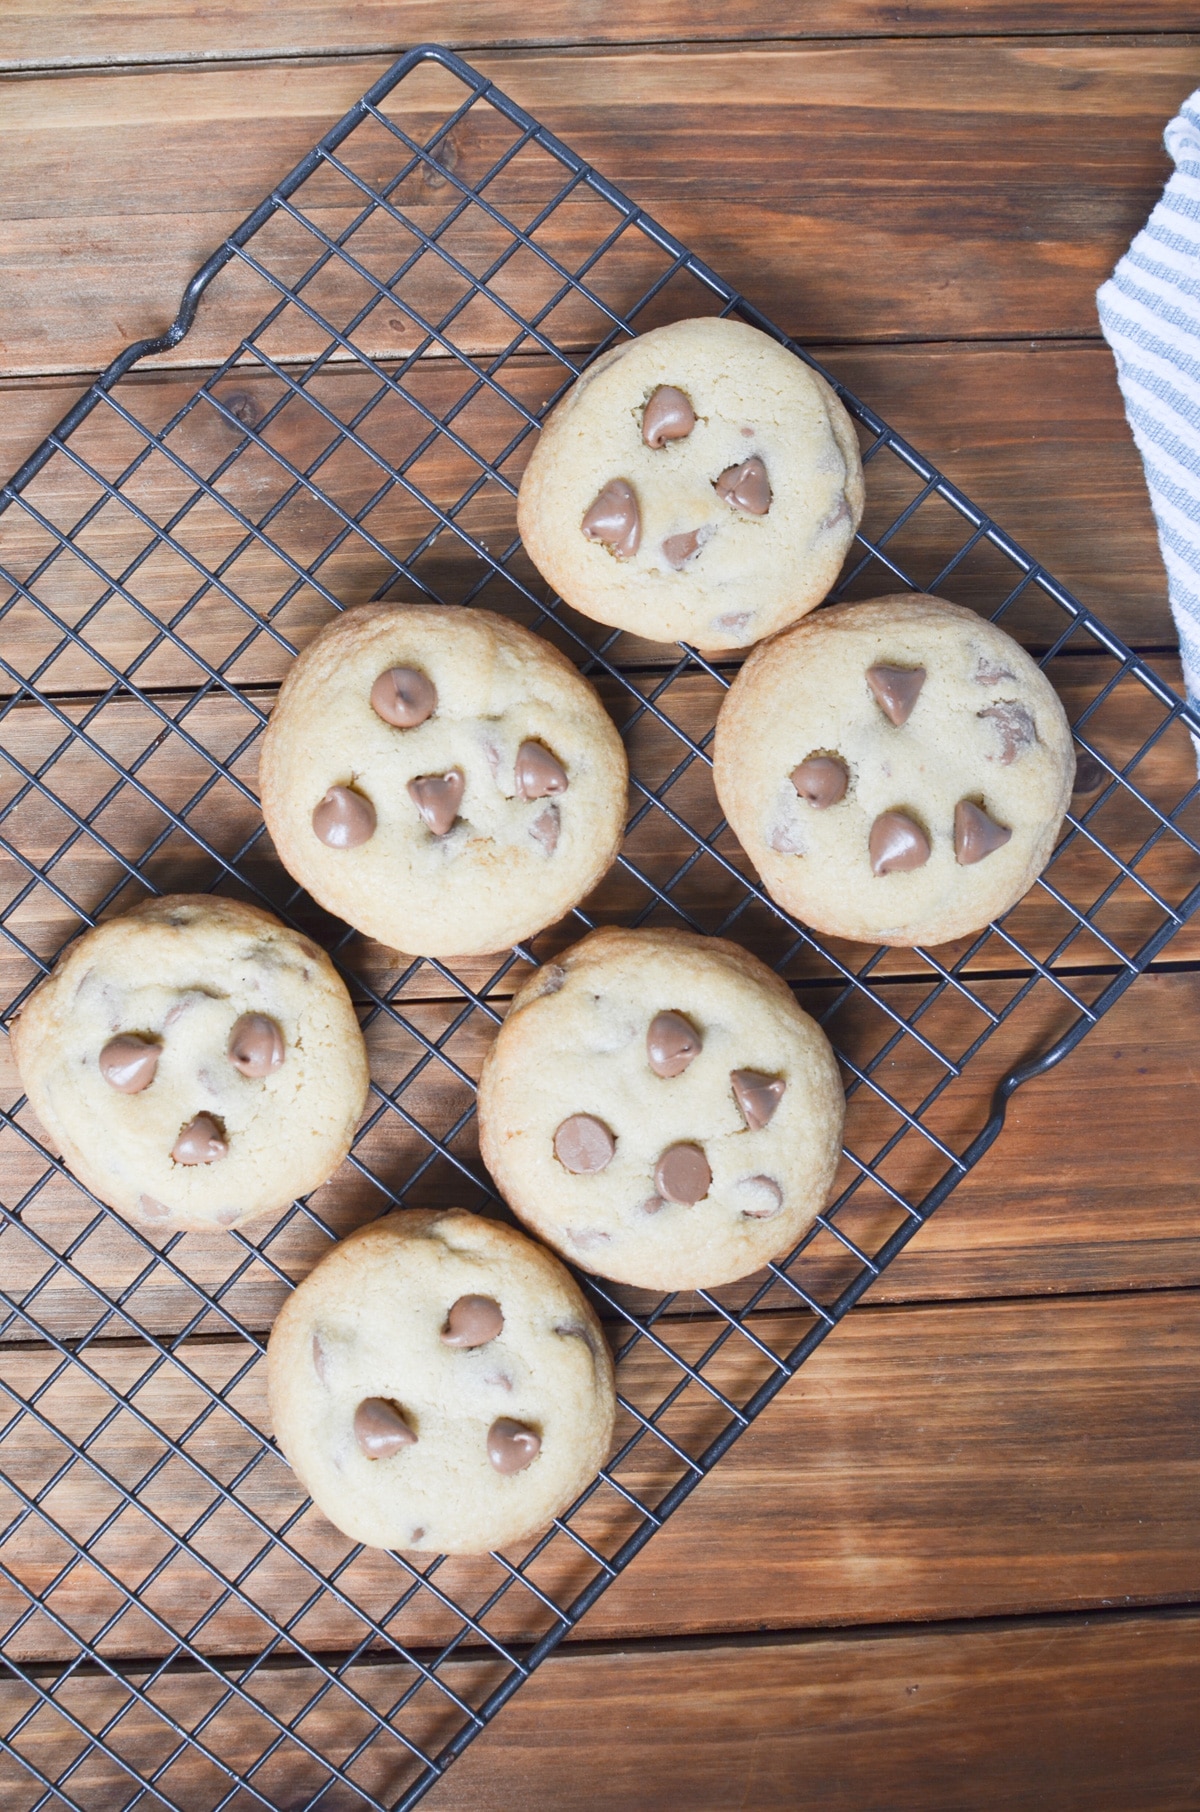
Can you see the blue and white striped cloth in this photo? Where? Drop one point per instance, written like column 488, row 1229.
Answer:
column 1150, row 314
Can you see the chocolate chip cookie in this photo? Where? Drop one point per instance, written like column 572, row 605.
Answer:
column 698, row 484
column 196, row 1062
column 897, row 771
column 657, row 1108
column 439, row 1383
column 441, row 779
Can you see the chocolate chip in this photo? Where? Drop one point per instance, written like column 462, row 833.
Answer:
column 1016, row 727
column 821, row 780
column 473, row 1321
column 344, row 818
column 512, row 1446
column 545, row 829
column 682, row 1174
column 679, row 549
column 380, row 1428
column 896, row 690
column 200, row 1142
column 320, row 1359
column 255, row 1046
column 150, row 1210
column 583, row 1145
column 404, row 696
column 897, row 844
column 128, row 1062
column 437, row 798
column 672, row 1043
column 667, row 416
column 614, row 519
column 765, row 1187
column 975, row 834
column 746, row 487
column 538, row 773
column 757, row 1095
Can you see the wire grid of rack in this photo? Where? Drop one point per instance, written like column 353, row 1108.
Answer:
column 178, row 1626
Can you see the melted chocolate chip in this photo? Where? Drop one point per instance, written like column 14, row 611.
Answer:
column 896, row 690
column 583, row 1145
column 897, row 844
column 150, row 1210
column 975, row 834
column 667, row 416
column 1090, row 774
column 128, row 1063
column 320, row 1359
column 437, row 798
column 757, row 1095
column 255, row 1046
column 682, row 1174
column 679, row 549
column 200, row 1142
column 404, row 696
column 545, row 829
column 614, row 519
column 344, row 818
column 746, row 487
column 538, row 773
column 821, row 780
column 1015, row 725
column 511, row 1446
column 672, row 1043
column 473, row 1321
column 226, row 1217
column 380, row 1429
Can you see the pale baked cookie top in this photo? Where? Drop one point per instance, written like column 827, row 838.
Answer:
column 897, row 771
column 697, row 484
column 196, row 1061
column 658, row 1108
column 439, row 1383
column 441, row 778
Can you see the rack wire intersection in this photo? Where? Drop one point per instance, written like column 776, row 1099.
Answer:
column 179, row 1627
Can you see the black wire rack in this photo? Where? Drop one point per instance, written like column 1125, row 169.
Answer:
column 180, row 1628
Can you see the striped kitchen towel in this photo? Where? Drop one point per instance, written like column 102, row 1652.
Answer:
column 1150, row 314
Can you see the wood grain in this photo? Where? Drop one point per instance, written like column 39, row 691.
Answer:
column 1090, row 1187
column 148, row 31
column 175, row 746
column 1036, row 434
column 1088, row 1714
column 981, row 192
column 868, row 1494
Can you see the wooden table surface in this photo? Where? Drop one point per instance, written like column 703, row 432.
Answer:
column 993, row 1598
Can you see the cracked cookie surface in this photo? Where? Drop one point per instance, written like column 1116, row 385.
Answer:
column 197, row 1062
column 897, row 771
column 699, row 483
column 658, row 1109
column 439, row 1383
column 441, row 778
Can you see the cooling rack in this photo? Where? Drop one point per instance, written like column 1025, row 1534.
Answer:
column 179, row 1627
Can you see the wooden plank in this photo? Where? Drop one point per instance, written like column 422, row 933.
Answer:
column 176, row 745
column 1034, row 433
column 1090, row 1187
column 867, row 1494
column 1088, row 1714
column 147, row 31
column 893, row 203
